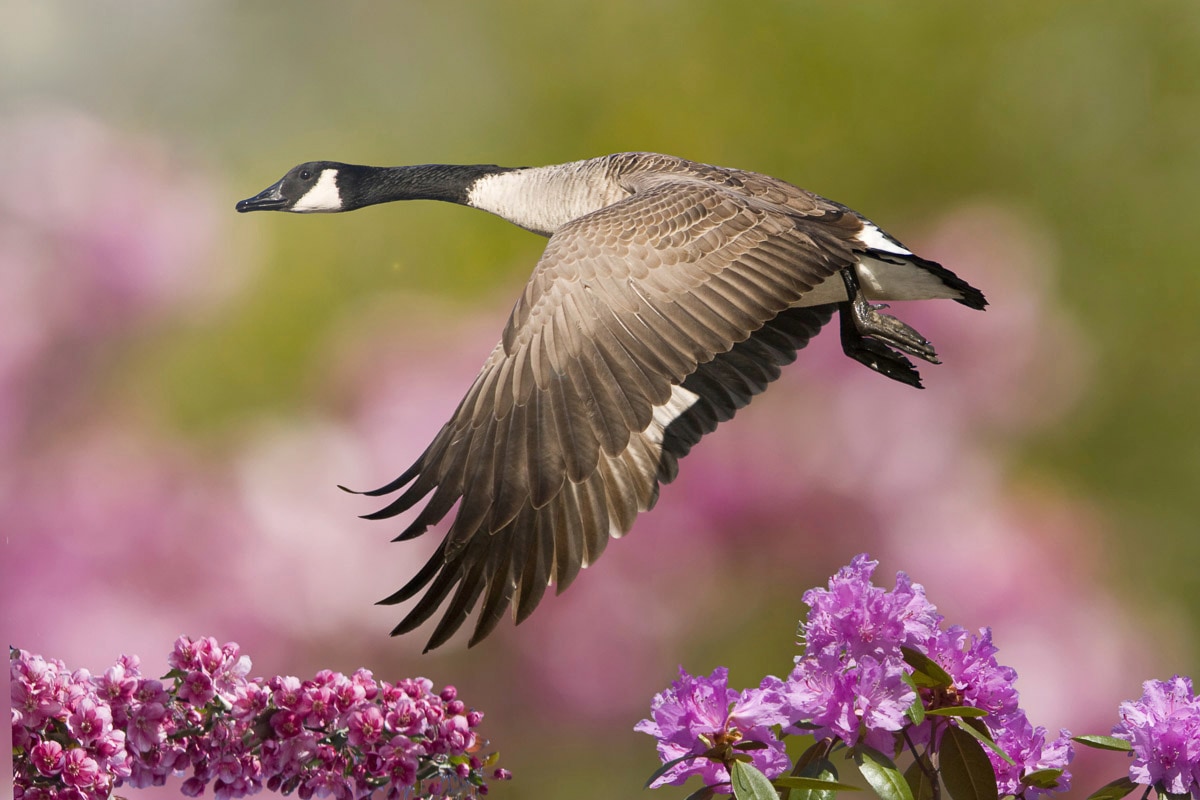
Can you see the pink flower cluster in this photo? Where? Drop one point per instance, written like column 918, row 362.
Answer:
column 78, row 736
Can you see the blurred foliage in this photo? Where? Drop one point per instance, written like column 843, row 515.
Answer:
column 1082, row 117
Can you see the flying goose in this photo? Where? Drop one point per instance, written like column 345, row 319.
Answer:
column 669, row 294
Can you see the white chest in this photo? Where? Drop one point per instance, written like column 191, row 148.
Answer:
column 543, row 199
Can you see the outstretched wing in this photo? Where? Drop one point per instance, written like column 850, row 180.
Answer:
column 643, row 326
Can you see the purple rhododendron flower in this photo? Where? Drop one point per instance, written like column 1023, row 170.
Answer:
column 1164, row 730
column 850, row 687
column 1027, row 746
column 850, row 680
column 979, row 681
column 854, row 618
column 696, row 713
column 865, row 701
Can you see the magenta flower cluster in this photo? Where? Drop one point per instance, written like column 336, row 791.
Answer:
column 79, row 736
column 852, row 685
column 1164, row 730
column 695, row 715
column 850, row 681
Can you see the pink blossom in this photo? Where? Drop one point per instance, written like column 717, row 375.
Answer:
column 286, row 692
column 366, row 726
column 286, row 723
column 250, row 702
column 454, row 735
column 147, row 726
column 197, row 688
column 311, row 749
column 79, row 770
column 404, row 715
column 47, row 757
column 89, row 721
column 117, row 685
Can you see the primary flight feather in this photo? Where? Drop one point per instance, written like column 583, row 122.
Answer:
column 669, row 294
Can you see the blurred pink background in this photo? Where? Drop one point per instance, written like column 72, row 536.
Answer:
column 121, row 533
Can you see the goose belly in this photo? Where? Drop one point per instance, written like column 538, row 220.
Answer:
column 882, row 280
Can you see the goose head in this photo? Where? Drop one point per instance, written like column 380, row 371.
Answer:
column 309, row 187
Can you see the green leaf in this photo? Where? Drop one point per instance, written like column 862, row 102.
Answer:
column 957, row 711
column 817, row 784
column 880, row 771
column 804, row 726
column 916, row 711
column 926, row 671
column 1115, row 790
column 750, row 784
column 973, row 727
column 814, row 763
column 750, row 745
column 1043, row 778
column 965, row 768
column 918, row 781
column 658, row 773
column 1104, row 743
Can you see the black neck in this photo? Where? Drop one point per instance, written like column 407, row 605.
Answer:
column 366, row 186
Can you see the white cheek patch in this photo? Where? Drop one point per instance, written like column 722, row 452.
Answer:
column 323, row 196
column 876, row 239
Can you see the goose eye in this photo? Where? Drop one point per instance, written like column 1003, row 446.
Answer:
column 305, row 175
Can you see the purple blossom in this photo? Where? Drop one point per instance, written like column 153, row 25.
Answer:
column 695, row 714
column 1027, row 746
column 978, row 680
column 850, row 680
column 853, row 618
column 1164, row 729
column 849, row 687
column 863, row 701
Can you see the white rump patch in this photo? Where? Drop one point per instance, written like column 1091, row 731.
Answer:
column 884, row 281
column 681, row 400
column 876, row 239
column 323, row 196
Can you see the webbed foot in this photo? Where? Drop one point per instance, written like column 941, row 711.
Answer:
column 869, row 337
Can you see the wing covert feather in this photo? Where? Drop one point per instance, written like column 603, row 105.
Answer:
column 555, row 446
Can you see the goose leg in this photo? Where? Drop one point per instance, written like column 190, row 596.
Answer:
column 867, row 334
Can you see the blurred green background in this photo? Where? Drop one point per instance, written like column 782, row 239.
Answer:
column 1081, row 119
